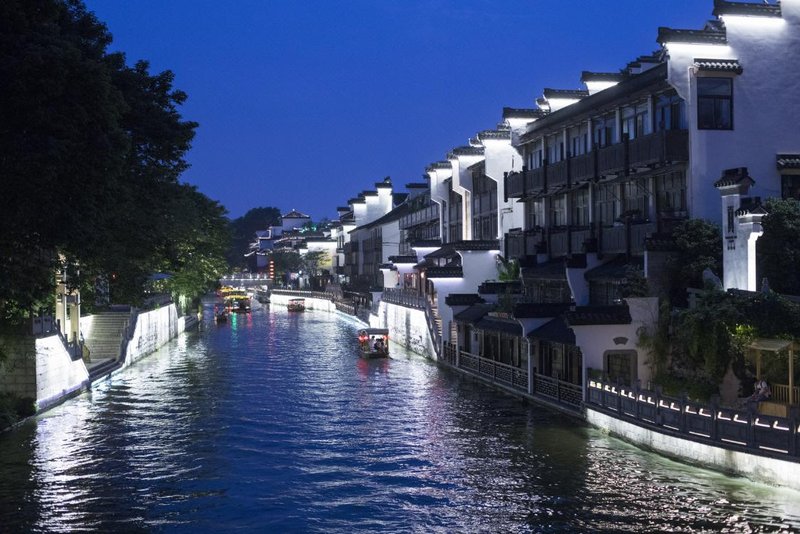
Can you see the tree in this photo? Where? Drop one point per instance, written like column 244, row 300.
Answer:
column 778, row 249
column 91, row 151
column 243, row 230
column 61, row 144
column 699, row 247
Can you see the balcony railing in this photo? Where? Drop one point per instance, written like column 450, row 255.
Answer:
column 557, row 174
column 559, row 243
column 660, row 147
column 614, row 239
column 611, row 159
column 583, row 167
column 408, row 298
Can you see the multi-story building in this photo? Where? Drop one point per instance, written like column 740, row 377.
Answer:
column 587, row 188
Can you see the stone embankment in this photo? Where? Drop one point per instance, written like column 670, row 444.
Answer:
column 47, row 369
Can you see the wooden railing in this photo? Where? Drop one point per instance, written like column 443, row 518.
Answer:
column 734, row 429
column 497, row 372
column 780, row 393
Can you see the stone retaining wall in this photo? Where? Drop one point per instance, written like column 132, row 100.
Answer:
column 770, row 471
column 40, row 368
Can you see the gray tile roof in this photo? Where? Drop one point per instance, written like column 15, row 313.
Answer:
column 718, row 65
column 788, row 161
column 588, row 76
column 752, row 9
column 495, row 134
column 599, row 315
column 496, row 324
column 474, row 313
column 734, row 177
column 440, row 165
column 466, row 151
column 670, row 35
column 555, row 331
column 463, row 299
column 565, row 93
column 523, row 113
column 444, row 272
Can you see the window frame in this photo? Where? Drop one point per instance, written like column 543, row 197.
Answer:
column 714, row 100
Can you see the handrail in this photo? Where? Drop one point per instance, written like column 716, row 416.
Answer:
column 729, row 428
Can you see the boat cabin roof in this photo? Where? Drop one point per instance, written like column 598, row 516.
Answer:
column 374, row 332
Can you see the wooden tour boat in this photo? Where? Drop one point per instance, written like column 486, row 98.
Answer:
column 296, row 305
column 373, row 342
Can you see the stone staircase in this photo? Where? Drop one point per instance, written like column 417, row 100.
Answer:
column 103, row 337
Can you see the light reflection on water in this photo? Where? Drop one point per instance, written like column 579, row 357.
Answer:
column 273, row 422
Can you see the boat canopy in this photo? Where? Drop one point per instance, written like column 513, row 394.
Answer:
column 373, row 332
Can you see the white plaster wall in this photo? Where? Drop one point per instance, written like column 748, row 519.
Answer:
column 501, row 158
column 767, row 470
column 595, row 340
column 390, row 240
column 57, row 375
column 407, row 327
column 766, row 113
column 153, row 329
column 40, row 368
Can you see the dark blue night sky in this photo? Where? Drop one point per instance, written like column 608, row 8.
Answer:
column 303, row 104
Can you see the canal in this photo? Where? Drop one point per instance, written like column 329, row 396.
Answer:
column 273, row 423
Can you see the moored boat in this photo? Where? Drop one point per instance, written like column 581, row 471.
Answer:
column 373, row 342
column 237, row 302
column 296, row 305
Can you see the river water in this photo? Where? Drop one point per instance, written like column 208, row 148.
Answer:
column 272, row 423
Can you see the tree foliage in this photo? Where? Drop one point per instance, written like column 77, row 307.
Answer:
column 243, row 230
column 699, row 247
column 91, row 151
column 779, row 247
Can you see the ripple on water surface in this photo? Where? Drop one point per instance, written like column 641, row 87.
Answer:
column 273, row 422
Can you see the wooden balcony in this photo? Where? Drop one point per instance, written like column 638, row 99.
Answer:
column 577, row 239
column 521, row 244
column 614, row 239
column 559, row 243
column 657, row 148
column 515, row 185
column 660, row 147
column 583, row 167
column 611, row 159
column 557, row 174
column 522, row 184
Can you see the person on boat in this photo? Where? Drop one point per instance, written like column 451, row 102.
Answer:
column 378, row 345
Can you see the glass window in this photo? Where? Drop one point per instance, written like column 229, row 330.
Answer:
column 714, row 103
column 606, row 204
column 671, row 192
column 790, row 186
column 558, row 210
column 580, row 207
